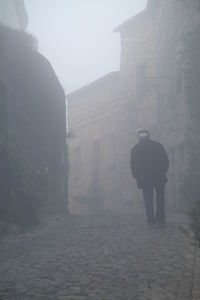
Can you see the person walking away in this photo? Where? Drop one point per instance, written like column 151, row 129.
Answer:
column 149, row 166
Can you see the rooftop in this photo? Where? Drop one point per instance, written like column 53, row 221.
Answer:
column 94, row 85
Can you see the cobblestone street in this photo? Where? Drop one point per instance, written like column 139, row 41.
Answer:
column 102, row 257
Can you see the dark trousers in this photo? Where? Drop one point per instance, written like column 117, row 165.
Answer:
column 149, row 204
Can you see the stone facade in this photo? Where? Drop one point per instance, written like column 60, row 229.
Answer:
column 13, row 14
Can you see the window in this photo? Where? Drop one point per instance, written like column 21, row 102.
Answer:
column 141, row 80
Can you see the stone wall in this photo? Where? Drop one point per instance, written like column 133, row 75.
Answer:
column 154, row 37
column 37, row 117
column 175, row 18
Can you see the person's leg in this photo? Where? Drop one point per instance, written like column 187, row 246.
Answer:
column 148, row 201
column 160, row 203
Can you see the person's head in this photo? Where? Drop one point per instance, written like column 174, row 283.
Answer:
column 143, row 135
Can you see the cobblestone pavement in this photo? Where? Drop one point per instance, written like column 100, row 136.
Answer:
column 101, row 258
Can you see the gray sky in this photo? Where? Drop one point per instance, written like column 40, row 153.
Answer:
column 77, row 35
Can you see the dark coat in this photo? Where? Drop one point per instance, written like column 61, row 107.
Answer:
column 149, row 163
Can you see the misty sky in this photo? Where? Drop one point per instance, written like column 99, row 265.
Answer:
column 77, row 35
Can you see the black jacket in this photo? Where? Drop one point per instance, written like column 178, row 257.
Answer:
column 149, row 163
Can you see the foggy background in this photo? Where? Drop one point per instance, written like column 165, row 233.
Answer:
column 77, row 35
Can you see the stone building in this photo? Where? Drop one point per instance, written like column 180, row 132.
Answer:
column 13, row 14
column 150, row 94
column 98, row 180
column 95, row 153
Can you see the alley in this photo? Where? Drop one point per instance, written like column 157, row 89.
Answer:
column 101, row 258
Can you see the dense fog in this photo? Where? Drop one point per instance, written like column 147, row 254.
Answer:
column 99, row 149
